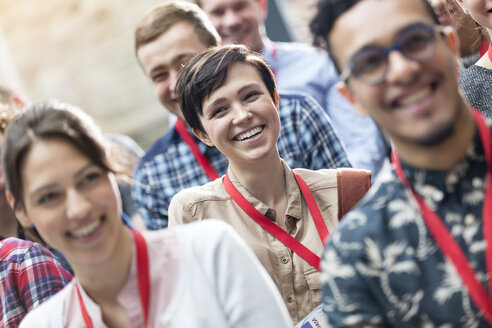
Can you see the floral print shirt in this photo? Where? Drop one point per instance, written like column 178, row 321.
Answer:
column 382, row 267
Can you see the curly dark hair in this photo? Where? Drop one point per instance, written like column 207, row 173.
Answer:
column 328, row 11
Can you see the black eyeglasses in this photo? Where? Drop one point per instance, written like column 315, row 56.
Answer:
column 370, row 64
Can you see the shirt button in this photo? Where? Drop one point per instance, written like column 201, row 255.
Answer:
column 469, row 219
column 437, row 196
column 285, row 260
column 289, row 299
column 477, row 183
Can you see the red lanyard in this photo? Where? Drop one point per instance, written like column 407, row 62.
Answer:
column 445, row 240
column 200, row 158
column 490, row 52
column 484, row 46
column 143, row 280
column 278, row 232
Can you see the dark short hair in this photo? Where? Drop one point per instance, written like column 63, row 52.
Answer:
column 328, row 11
column 207, row 72
column 43, row 121
column 159, row 19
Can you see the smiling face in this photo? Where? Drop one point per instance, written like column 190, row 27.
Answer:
column 237, row 21
column 72, row 202
column 480, row 10
column 162, row 59
column 240, row 118
column 417, row 103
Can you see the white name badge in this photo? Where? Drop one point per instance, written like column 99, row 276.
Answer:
column 315, row 319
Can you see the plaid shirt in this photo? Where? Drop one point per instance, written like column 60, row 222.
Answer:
column 29, row 274
column 307, row 140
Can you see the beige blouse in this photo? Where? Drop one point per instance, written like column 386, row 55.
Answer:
column 297, row 281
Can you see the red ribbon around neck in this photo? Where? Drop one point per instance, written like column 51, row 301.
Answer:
column 143, row 276
column 448, row 245
column 489, row 52
column 484, row 45
column 274, row 229
column 199, row 157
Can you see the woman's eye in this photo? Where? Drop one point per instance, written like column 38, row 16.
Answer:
column 47, row 198
column 91, row 177
column 218, row 111
column 251, row 94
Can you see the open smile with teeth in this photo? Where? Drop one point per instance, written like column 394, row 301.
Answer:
column 415, row 97
column 86, row 230
column 249, row 134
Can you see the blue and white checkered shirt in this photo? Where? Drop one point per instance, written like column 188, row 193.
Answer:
column 307, row 140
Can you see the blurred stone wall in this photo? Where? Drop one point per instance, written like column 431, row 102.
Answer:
column 81, row 51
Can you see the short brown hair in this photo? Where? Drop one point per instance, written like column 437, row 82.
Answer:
column 46, row 120
column 161, row 18
column 207, row 72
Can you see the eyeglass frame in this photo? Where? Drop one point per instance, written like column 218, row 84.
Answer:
column 395, row 46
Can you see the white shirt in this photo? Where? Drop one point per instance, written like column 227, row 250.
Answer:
column 220, row 284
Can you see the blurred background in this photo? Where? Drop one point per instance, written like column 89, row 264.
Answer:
column 81, row 52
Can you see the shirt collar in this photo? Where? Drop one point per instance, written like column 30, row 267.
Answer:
column 433, row 184
column 293, row 195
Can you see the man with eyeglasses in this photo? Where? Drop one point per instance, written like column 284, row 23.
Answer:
column 417, row 251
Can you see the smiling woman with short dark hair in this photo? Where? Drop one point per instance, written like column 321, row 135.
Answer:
column 229, row 99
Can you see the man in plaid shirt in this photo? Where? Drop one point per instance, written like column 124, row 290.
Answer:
column 29, row 275
column 165, row 39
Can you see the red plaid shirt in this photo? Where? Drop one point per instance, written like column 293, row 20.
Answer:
column 29, row 275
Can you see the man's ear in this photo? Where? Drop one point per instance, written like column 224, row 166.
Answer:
column 263, row 4
column 452, row 40
column 343, row 88
column 20, row 214
column 203, row 137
